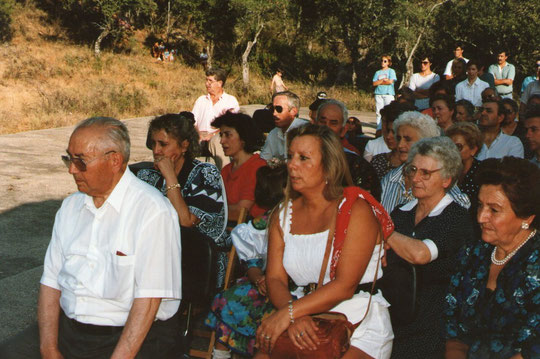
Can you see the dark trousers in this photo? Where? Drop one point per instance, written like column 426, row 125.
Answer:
column 162, row 341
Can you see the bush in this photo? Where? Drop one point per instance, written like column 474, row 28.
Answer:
column 6, row 7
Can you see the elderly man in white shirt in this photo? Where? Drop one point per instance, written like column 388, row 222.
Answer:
column 471, row 88
column 496, row 143
column 210, row 106
column 111, row 283
column 285, row 107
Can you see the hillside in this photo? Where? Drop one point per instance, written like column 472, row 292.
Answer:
column 47, row 81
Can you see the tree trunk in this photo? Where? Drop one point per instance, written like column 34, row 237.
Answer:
column 245, row 56
column 97, row 45
column 210, row 52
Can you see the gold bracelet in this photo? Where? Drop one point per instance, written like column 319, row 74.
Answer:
column 173, row 186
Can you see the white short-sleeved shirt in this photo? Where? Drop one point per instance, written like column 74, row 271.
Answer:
column 205, row 111
column 374, row 147
column 101, row 259
column 503, row 145
column 471, row 93
column 419, row 82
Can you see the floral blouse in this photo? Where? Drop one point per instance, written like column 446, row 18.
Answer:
column 500, row 323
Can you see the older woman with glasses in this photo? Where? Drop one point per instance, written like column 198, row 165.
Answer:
column 409, row 128
column 429, row 232
column 493, row 304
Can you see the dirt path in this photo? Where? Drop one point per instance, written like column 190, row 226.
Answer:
column 33, row 183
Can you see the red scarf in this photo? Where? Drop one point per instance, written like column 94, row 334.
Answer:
column 351, row 194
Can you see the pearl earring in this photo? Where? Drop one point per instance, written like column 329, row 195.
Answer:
column 524, row 225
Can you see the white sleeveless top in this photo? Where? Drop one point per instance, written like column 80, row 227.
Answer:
column 303, row 255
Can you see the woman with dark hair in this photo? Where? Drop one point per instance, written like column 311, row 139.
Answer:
column 240, row 138
column 236, row 312
column 443, row 108
column 493, row 304
column 299, row 233
column 464, row 111
column 194, row 188
column 421, row 82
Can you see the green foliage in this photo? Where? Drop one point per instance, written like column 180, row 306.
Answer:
column 6, row 7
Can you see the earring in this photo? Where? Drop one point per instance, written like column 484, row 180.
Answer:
column 524, row 225
column 326, row 181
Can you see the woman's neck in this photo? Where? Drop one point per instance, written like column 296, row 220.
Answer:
column 425, row 72
column 426, row 205
column 240, row 158
column 467, row 164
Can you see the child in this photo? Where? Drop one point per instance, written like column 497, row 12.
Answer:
column 237, row 311
column 384, row 86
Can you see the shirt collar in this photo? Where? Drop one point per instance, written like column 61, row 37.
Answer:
column 117, row 195
column 443, row 203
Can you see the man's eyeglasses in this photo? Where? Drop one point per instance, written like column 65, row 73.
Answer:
column 410, row 171
column 78, row 162
column 278, row 109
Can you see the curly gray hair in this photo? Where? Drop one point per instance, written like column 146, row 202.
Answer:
column 424, row 124
column 444, row 151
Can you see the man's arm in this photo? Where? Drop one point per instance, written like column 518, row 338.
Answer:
column 140, row 319
column 48, row 314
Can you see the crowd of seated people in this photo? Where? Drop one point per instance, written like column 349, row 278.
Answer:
column 450, row 188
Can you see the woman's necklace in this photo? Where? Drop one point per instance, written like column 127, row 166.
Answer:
column 503, row 261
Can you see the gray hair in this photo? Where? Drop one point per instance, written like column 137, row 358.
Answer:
column 116, row 134
column 292, row 99
column 424, row 124
column 337, row 103
column 444, row 151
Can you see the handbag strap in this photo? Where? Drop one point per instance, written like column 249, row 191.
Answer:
column 331, row 232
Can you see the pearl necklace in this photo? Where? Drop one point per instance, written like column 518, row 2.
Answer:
column 503, row 261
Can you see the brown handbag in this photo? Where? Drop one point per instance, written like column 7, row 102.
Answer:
column 334, row 330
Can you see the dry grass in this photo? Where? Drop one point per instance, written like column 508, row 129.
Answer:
column 47, row 82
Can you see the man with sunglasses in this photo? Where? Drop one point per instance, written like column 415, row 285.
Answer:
column 285, row 107
column 111, row 283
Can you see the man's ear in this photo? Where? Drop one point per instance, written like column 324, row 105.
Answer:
column 294, row 111
column 117, row 160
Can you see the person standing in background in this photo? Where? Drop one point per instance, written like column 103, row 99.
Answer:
column 277, row 82
column 504, row 74
column 383, row 80
column 421, row 82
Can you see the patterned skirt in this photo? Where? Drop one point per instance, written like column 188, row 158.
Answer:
column 235, row 315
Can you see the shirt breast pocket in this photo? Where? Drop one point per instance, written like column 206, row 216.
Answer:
column 119, row 277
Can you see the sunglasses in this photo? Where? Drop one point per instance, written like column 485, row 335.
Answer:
column 410, row 171
column 79, row 163
column 459, row 146
column 384, row 61
column 278, row 109
column 425, row 62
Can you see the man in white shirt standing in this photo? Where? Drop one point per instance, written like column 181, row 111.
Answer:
column 496, row 143
column 210, row 106
column 458, row 54
column 471, row 89
column 111, row 283
column 285, row 107
column 504, row 74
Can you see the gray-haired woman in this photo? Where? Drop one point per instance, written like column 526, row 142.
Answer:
column 409, row 128
column 428, row 233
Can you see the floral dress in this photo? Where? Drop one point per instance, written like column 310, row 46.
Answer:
column 500, row 323
column 237, row 312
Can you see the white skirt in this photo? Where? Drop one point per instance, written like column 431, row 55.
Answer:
column 374, row 335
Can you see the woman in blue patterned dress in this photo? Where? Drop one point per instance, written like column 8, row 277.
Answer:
column 236, row 312
column 194, row 188
column 493, row 304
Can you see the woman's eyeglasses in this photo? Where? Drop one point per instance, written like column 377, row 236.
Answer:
column 459, row 146
column 410, row 171
column 425, row 62
column 79, row 163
